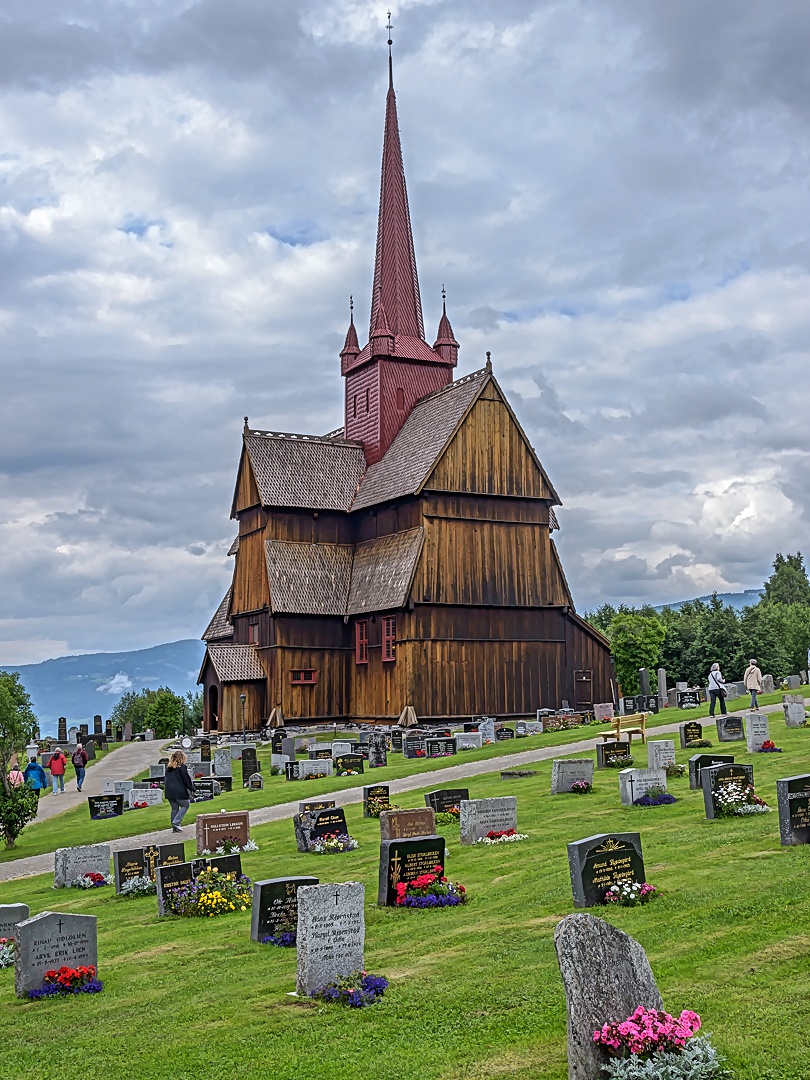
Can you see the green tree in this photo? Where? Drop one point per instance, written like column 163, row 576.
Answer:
column 717, row 639
column 194, row 709
column 788, row 583
column 764, row 636
column 18, row 725
column 602, row 617
column 131, row 709
column 636, row 640
column 164, row 713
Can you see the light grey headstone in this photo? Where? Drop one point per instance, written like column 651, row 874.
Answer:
column 468, row 740
column 331, row 933
column 123, row 787
column 660, row 753
column 151, row 796
column 732, row 692
column 662, row 687
column 237, row 748
column 222, row 761
column 803, row 677
column 73, row 735
column 193, row 757
column 277, row 761
column 341, row 746
column 680, row 687
column 73, row 862
column 672, row 698
column 767, row 684
column 315, row 767
column 108, row 786
column 10, row 915
column 157, row 772
column 634, row 783
column 567, row 771
column 256, row 782
column 605, row 975
column 52, row 940
column 604, row 711
column 487, row 729
column 793, row 682
column 756, row 731
column 481, row 816
column 793, row 705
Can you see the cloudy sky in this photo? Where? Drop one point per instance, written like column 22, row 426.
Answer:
column 615, row 195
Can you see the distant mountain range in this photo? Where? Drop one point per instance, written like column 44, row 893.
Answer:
column 736, row 600
column 79, row 687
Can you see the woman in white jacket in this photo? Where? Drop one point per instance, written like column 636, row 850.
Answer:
column 753, row 682
column 717, row 691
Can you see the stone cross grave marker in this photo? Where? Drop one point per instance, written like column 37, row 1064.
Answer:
column 10, row 915
column 404, row 860
column 402, row 824
column 793, row 706
column 380, row 794
column 715, row 778
column 52, row 940
column 635, row 783
column 729, row 728
column 793, row 797
column 482, row 816
column 756, row 731
column 605, row 975
column 702, row 761
column 331, row 933
column 275, row 906
column 210, row 828
column 599, row 862
column 660, row 753
column 74, row 862
column 691, row 731
column 565, row 772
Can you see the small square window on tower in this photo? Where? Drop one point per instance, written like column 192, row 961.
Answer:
column 389, row 642
column 361, row 641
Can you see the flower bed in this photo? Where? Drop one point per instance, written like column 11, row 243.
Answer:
column 356, row 990
column 769, row 747
column 138, row 886
column 286, row 939
column 431, row 891
column 737, row 800
column 505, row 836
column 698, row 744
column 631, row 894
column 582, row 787
column 625, row 762
column 651, row 1044
column 331, row 844
column 91, row 880
column 232, row 845
column 450, row 816
column 674, row 771
column 655, row 797
column 7, row 949
column 67, row 980
column 211, row 893
column 338, row 772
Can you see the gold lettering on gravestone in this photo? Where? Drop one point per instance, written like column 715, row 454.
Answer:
column 150, row 857
column 396, row 869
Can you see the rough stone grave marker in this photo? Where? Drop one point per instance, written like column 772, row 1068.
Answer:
column 52, row 940
column 482, row 816
column 691, row 731
column 73, row 862
column 404, row 860
column 331, row 933
column 715, row 778
column 756, row 731
column 793, row 706
column 793, row 798
column 599, row 862
column 660, row 753
column 380, row 794
column 402, row 824
column 377, row 750
column 603, row 711
column 566, row 772
column 275, row 905
column 729, row 728
column 767, row 684
column 222, row 761
column 210, row 828
column 635, row 783
column 10, row 915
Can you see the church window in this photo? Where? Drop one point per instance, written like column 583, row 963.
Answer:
column 400, row 398
column 361, row 641
column 389, row 643
column 355, row 404
column 253, row 632
column 366, row 399
column 303, row 676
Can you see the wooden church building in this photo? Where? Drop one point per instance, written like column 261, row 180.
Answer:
column 405, row 559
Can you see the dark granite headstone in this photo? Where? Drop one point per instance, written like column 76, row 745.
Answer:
column 346, row 764
column 327, row 822
column 598, row 862
column 688, row 699
column 108, row 731
column 715, row 777
column 174, row 876
column 320, row 753
column 84, row 730
column 380, row 793
column 730, row 728
column 279, row 734
column 377, row 750
column 413, row 746
column 396, row 741
column 290, row 770
column 205, row 749
column 203, row 790
column 504, row 733
column 610, row 751
column 275, row 905
column 169, row 854
column 444, row 799
column 105, row 806
column 793, row 797
column 312, row 805
column 97, row 728
column 119, row 734
column 691, row 731
column 230, row 865
column 128, row 865
column 404, row 860
column 702, row 761
column 61, row 726
column 435, row 747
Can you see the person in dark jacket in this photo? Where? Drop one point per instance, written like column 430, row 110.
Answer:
column 79, row 759
column 35, row 777
column 178, row 788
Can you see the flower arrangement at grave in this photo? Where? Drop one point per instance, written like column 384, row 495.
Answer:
column 284, row 939
column 331, row 844
column 138, row 886
column 467, row 746
column 769, row 747
column 674, row 771
column 90, row 880
column 7, row 951
column 423, row 753
column 374, row 806
column 138, row 805
column 738, row 799
column 322, row 775
column 430, row 891
column 698, row 744
column 342, row 772
column 651, row 1044
column 67, row 980
column 625, row 762
column 450, row 816
column 631, row 894
column 357, row 990
column 502, row 836
column 655, row 796
column 211, row 893
column 232, row 845
column 581, row 787
column 275, row 770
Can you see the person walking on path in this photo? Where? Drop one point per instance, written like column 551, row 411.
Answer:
column 178, row 788
column 57, row 763
column 35, row 777
column 15, row 777
column 717, row 690
column 753, row 682
column 79, row 759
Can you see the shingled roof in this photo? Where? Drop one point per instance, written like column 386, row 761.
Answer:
column 220, row 628
column 383, row 570
column 419, row 443
column 304, row 471
column 234, row 663
column 308, row 579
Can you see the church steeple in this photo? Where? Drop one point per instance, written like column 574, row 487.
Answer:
column 351, row 346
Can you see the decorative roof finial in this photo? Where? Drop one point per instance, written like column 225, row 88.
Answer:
column 444, row 300
column 246, row 429
column 390, row 28
column 489, row 360
column 351, row 310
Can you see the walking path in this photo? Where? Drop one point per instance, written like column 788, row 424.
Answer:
column 136, row 757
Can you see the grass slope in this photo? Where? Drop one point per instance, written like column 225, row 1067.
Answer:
column 475, row 992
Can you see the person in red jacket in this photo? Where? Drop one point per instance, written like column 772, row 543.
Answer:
column 57, row 764
column 79, row 759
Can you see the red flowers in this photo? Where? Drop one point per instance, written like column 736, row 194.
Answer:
column 493, row 835
column 68, row 977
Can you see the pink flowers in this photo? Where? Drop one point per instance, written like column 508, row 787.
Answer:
column 648, row 1031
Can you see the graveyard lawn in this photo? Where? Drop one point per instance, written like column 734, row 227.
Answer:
column 475, row 991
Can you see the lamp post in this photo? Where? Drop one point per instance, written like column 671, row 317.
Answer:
column 243, row 699
column 183, row 728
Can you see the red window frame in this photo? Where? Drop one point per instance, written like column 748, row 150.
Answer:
column 389, row 637
column 304, row 676
column 361, row 641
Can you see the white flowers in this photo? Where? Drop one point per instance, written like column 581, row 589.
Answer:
column 507, row 838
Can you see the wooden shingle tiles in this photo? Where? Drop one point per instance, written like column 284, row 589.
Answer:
column 220, row 628
column 304, row 471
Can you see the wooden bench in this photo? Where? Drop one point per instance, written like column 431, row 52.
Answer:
column 634, row 724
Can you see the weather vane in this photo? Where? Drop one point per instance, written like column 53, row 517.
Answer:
column 389, row 28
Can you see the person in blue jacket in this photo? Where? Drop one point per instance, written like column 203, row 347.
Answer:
column 35, row 777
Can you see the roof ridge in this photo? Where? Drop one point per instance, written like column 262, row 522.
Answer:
column 451, row 386
column 330, row 437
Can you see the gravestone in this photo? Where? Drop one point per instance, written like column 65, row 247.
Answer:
column 403, row 824
column 793, row 682
column 342, row 746
column 609, row 751
column 604, row 711
column 380, row 793
column 174, row 876
column 635, row 783
column 729, row 728
column 599, row 862
column 644, row 681
column 756, row 731
column 73, row 735
column 793, row 797
column 349, row 764
column 716, row 777
column 105, row 806
column 629, row 706
column 605, row 975
column 482, row 816
column 404, row 860
column 203, row 790
column 732, row 693
column 320, row 753
column 681, row 686
column 691, row 731
column 567, row 772
column 157, row 772
column 84, row 731
column 275, row 905
column 315, row 804
column 123, row 787
column 503, row 734
column 328, row 822
column 250, row 764
column 443, row 799
column 331, row 933
column 767, row 684
column 688, row 699
column 151, row 796
column 315, row 768
column 205, row 750
column 97, row 728
column 127, row 732
column 52, row 940
column 89, row 746
column 108, row 731
column 435, row 747
column 119, row 734
column 486, row 728
column 107, row 786
column 702, row 761
column 73, row 862
column 396, row 741
column 223, row 761
column 469, row 740
column 793, row 706
column 276, row 739
column 660, row 753
column 278, row 761
column 662, row 688
column 128, row 865
column 672, row 698
column 413, row 746
column 61, row 726
column 377, row 750
column 256, row 782
column 227, row 865
column 291, row 770
column 303, row 825
column 210, row 828
column 10, row 915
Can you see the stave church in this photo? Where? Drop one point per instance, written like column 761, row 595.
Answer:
column 405, row 560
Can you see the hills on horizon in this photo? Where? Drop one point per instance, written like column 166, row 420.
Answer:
column 736, row 600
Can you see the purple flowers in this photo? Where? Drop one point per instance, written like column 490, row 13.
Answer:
column 663, row 798
column 356, row 990
column 95, row 986
column 285, row 940
column 431, row 901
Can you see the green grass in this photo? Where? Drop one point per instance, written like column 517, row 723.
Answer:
column 475, row 992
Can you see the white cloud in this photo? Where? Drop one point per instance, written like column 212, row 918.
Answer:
column 117, row 685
